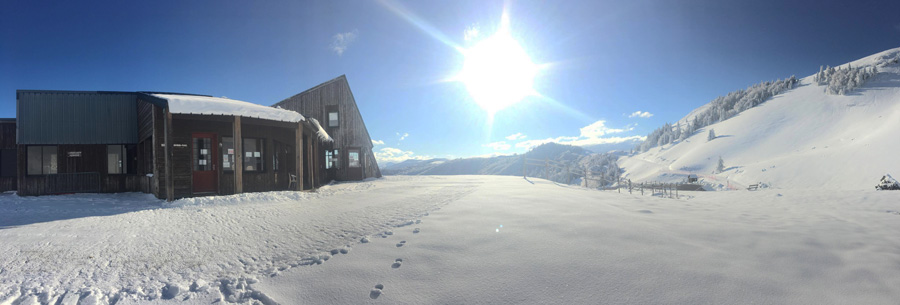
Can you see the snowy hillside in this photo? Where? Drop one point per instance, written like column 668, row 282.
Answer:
column 803, row 138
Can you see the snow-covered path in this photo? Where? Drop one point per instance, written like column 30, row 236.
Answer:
column 144, row 254
column 467, row 240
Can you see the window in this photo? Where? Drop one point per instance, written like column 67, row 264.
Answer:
column 353, row 156
column 7, row 162
column 328, row 158
column 202, row 150
column 228, row 153
column 332, row 158
column 253, row 154
column 41, row 160
column 336, row 159
column 333, row 119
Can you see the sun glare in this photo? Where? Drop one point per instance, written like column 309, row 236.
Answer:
column 497, row 72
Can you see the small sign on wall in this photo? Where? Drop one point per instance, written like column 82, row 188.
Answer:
column 73, row 154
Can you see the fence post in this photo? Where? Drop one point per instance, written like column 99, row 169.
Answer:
column 642, row 189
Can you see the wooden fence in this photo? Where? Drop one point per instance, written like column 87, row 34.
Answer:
column 669, row 190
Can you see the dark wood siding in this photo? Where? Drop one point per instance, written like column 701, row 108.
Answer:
column 85, row 171
column 8, row 150
column 266, row 180
column 145, row 119
column 351, row 131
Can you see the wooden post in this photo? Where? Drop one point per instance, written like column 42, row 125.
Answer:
column 238, row 156
column 170, row 181
column 309, row 161
column 642, row 189
column 298, row 145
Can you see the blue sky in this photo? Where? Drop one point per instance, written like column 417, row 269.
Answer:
column 603, row 60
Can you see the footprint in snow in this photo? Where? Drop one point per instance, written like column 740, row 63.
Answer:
column 418, row 221
column 645, row 211
column 376, row 292
column 416, row 231
column 397, row 263
column 401, row 243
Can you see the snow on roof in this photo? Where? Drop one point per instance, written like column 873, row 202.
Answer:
column 195, row 104
column 323, row 135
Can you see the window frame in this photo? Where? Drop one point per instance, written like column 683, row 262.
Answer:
column 260, row 161
column 227, row 156
column 336, row 121
column 358, row 161
column 53, row 168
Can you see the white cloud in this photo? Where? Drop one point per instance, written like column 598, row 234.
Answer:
column 390, row 154
column 341, row 41
column 498, row 145
column 377, row 142
column 402, row 136
column 590, row 135
column 598, row 129
column 516, row 136
column 639, row 114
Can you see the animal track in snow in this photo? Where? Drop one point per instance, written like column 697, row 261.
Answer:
column 397, row 263
column 401, row 243
column 376, row 292
column 416, row 231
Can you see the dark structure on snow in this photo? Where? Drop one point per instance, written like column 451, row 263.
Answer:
column 179, row 145
column 350, row 156
column 7, row 154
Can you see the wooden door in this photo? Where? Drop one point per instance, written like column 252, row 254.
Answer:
column 205, row 174
column 354, row 163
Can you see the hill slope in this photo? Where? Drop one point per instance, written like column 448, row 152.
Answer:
column 803, row 138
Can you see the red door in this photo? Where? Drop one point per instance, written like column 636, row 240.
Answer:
column 203, row 149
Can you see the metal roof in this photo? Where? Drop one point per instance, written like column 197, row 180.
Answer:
column 76, row 117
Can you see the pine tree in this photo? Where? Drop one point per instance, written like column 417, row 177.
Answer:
column 712, row 135
column 721, row 167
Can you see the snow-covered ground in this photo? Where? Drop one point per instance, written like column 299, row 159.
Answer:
column 454, row 240
column 803, row 138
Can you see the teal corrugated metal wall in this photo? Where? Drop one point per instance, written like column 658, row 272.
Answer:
column 48, row 117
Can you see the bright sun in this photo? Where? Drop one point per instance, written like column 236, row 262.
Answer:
column 497, row 72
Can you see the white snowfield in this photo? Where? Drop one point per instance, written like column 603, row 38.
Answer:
column 803, row 138
column 454, row 240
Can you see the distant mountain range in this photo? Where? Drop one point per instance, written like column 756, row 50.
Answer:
column 573, row 157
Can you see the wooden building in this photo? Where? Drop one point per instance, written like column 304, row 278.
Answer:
column 349, row 156
column 171, row 145
column 7, row 154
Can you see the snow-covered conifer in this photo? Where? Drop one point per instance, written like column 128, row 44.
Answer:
column 721, row 167
column 712, row 135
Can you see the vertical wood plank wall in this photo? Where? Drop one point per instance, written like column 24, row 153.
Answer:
column 351, row 132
